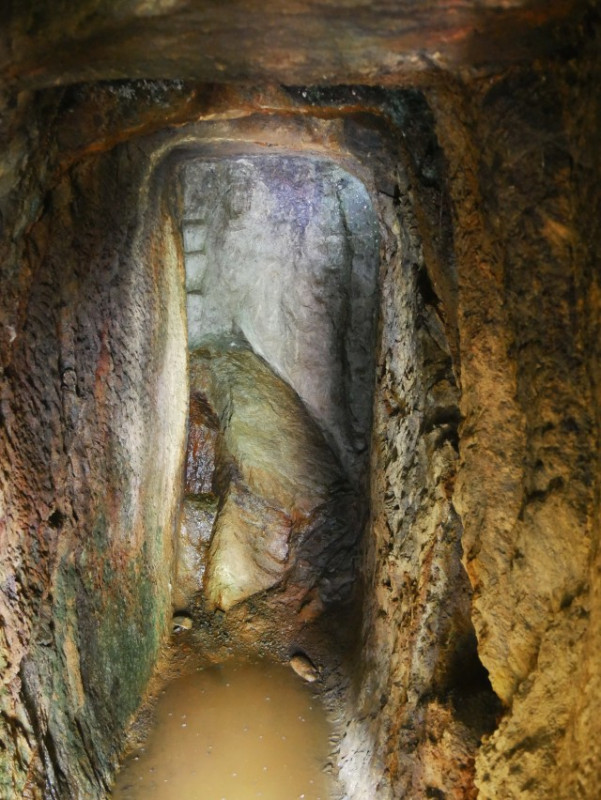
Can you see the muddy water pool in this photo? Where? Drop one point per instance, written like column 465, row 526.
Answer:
column 235, row 731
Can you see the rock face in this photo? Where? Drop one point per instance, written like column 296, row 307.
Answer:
column 331, row 43
column 477, row 674
column 280, row 257
column 530, row 384
column 283, row 250
column 199, row 505
column 285, row 508
column 422, row 701
column 93, row 388
column 194, row 536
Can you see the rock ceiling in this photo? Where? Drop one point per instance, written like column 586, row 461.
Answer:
column 287, row 41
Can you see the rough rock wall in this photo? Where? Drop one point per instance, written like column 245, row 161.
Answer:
column 199, row 503
column 520, row 160
column 580, row 755
column 255, row 43
column 422, row 701
column 525, row 226
column 93, row 415
column 516, row 338
column 524, row 158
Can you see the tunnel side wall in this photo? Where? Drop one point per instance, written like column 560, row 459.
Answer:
column 94, row 399
column 508, row 317
column 524, row 168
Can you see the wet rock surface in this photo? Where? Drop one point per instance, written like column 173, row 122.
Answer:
column 199, row 504
column 286, row 513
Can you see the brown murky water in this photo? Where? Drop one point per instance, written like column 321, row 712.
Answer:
column 233, row 732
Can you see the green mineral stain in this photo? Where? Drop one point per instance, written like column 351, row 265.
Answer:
column 203, row 502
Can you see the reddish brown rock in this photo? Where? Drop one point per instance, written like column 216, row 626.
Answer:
column 203, row 429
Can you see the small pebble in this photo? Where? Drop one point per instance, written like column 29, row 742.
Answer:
column 181, row 623
column 304, row 667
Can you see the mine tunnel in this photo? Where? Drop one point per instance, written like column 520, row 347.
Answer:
column 299, row 384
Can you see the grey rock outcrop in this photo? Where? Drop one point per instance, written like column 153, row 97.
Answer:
column 284, row 250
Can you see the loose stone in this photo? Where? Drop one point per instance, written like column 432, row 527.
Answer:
column 181, row 623
column 304, row 667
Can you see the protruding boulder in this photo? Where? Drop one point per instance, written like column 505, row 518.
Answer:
column 284, row 500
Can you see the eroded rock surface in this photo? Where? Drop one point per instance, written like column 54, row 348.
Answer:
column 93, row 387
column 286, row 509
column 199, row 505
column 331, row 42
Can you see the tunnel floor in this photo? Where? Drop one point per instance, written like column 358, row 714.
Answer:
column 227, row 717
column 234, row 731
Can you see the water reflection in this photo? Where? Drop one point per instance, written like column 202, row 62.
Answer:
column 233, row 732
